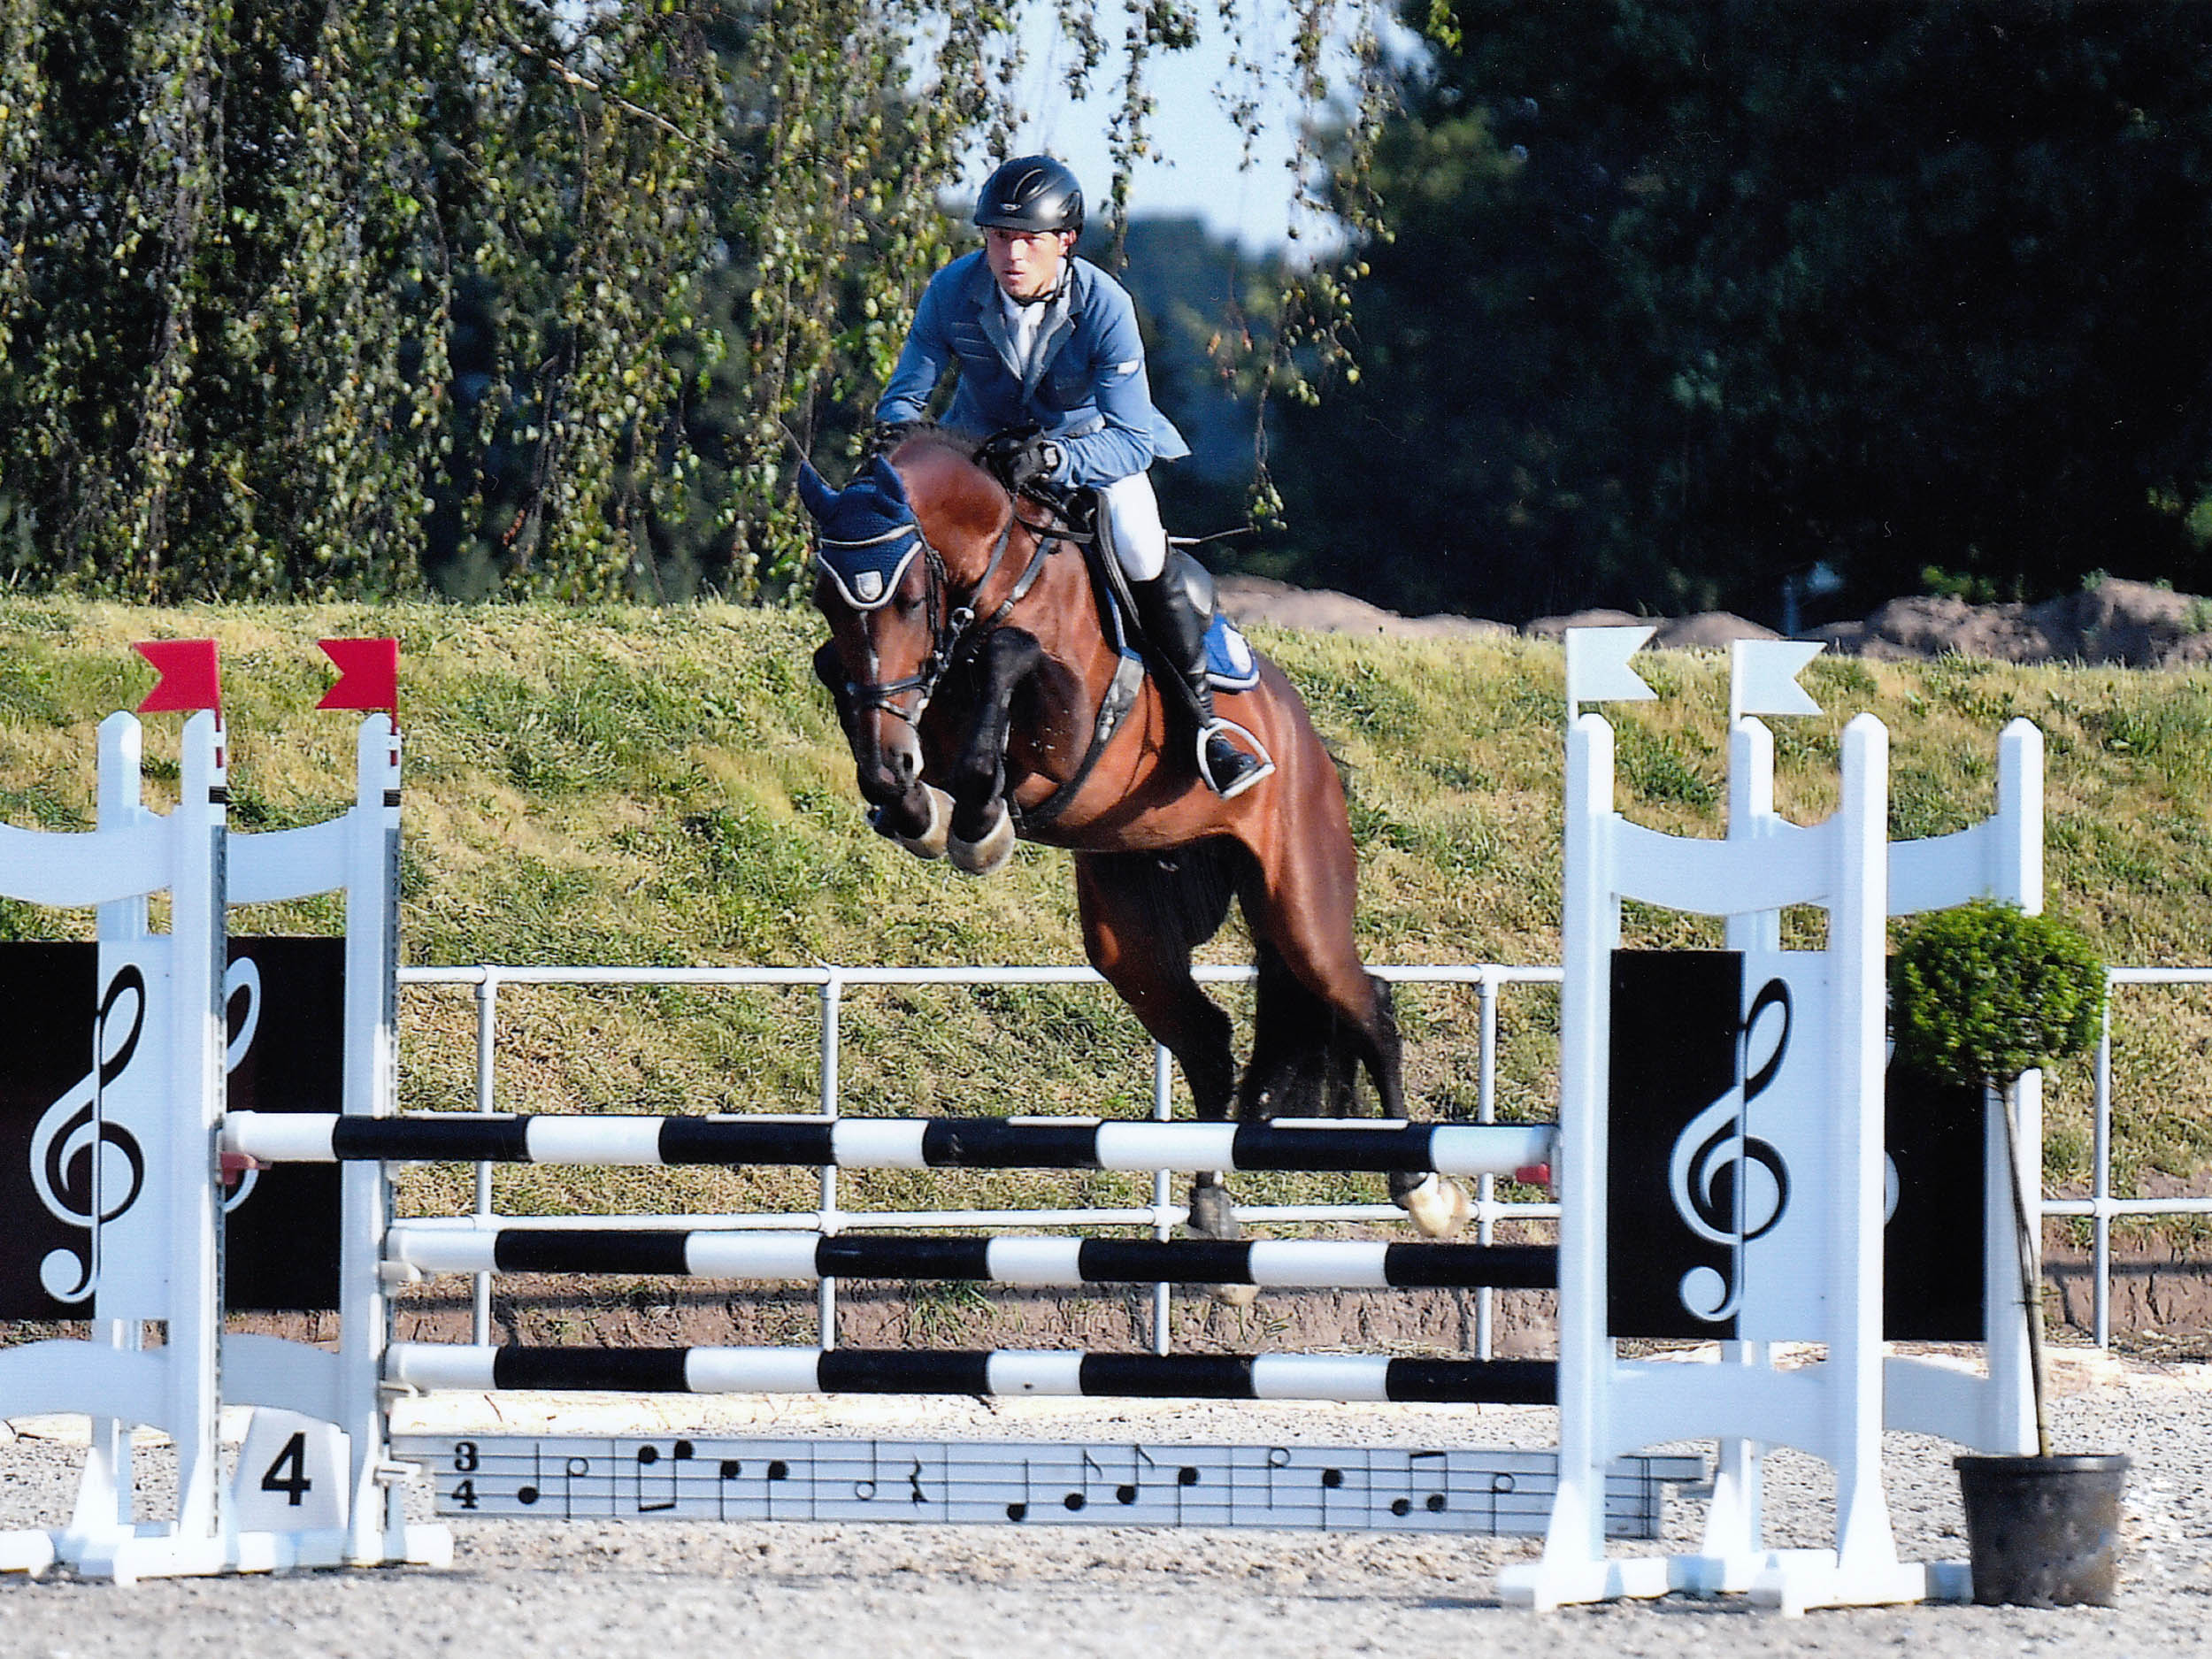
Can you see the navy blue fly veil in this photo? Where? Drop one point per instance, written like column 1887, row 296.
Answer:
column 868, row 535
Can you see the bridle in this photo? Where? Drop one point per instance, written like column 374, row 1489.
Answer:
column 956, row 634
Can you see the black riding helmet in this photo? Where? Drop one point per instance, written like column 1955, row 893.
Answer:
column 1031, row 193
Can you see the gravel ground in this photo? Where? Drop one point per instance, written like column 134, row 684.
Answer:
column 632, row 1589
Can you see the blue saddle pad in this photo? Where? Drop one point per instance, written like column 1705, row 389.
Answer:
column 1230, row 663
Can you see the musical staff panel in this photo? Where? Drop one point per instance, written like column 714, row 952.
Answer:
column 1312, row 1488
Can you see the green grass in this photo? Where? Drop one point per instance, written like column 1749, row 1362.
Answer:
column 634, row 787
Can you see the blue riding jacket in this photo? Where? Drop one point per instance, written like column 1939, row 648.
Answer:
column 1088, row 392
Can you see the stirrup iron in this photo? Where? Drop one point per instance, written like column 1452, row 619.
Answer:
column 1253, row 748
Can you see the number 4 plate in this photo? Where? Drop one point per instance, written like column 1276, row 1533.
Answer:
column 291, row 1475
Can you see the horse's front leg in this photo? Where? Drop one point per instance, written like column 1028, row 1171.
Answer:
column 982, row 837
column 915, row 815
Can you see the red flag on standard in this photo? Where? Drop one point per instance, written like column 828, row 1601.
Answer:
column 368, row 675
column 190, row 679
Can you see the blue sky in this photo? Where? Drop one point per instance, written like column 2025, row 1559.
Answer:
column 1199, row 169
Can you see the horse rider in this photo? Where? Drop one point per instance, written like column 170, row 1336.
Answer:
column 1051, row 363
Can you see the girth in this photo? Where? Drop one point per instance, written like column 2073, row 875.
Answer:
column 1121, row 692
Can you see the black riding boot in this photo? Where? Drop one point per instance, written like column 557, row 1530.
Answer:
column 1173, row 609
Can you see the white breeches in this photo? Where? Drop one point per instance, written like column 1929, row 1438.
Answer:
column 1130, row 517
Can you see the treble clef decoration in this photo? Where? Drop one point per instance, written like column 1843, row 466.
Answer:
column 88, row 1170
column 243, row 979
column 74, row 1145
column 1729, row 1187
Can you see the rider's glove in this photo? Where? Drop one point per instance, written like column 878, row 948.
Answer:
column 887, row 435
column 1018, row 458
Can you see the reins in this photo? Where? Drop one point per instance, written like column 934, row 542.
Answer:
column 956, row 634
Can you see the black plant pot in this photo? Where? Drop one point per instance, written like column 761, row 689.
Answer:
column 2043, row 1532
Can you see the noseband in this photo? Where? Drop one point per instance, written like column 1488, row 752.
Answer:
column 955, row 632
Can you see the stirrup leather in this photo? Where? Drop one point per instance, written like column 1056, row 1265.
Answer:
column 1252, row 749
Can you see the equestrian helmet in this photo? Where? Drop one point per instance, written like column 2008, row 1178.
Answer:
column 1031, row 193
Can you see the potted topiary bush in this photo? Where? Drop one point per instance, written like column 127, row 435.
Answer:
column 1981, row 994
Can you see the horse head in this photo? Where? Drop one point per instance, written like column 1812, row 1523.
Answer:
column 890, row 591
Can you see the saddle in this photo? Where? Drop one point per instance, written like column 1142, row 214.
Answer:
column 1230, row 663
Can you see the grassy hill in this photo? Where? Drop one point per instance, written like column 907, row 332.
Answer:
column 635, row 786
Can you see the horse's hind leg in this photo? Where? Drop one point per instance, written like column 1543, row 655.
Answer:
column 1436, row 1204
column 1301, row 1065
column 1300, row 907
column 1143, row 914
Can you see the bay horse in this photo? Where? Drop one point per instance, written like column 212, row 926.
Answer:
column 978, row 683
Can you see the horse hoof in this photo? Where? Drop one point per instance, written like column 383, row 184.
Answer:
column 1438, row 1208
column 988, row 856
column 1211, row 1213
column 931, row 843
column 1235, row 1296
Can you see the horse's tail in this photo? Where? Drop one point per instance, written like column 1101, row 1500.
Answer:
column 1305, row 1058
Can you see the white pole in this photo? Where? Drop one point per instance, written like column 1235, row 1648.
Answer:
column 1485, row 1112
column 826, row 1293
column 104, row 1494
column 1163, row 1194
column 2015, row 875
column 1735, row 1520
column 2100, row 1194
column 487, row 1106
column 197, row 1031
column 376, row 1520
column 1589, row 932
column 1866, row 1548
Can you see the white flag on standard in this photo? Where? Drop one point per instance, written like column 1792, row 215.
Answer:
column 1763, row 677
column 1598, row 670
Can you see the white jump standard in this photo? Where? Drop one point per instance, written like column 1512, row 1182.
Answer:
column 1795, row 1116
column 153, row 1238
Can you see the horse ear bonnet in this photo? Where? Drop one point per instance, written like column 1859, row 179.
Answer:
column 868, row 533
column 814, row 490
column 887, row 478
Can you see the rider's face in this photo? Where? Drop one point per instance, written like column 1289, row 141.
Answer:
column 1026, row 263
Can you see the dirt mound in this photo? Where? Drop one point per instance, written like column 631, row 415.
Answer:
column 2135, row 625
column 1323, row 610
column 1707, row 630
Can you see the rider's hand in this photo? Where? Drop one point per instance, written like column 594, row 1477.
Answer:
column 887, row 435
column 1018, row 458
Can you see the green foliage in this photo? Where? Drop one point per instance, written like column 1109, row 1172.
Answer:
column 1680, row 298
column 241, row 233
column 504, row 298
column 1984, row 991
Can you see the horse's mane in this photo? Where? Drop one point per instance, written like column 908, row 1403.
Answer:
column 970, row 494
column 943, row 438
